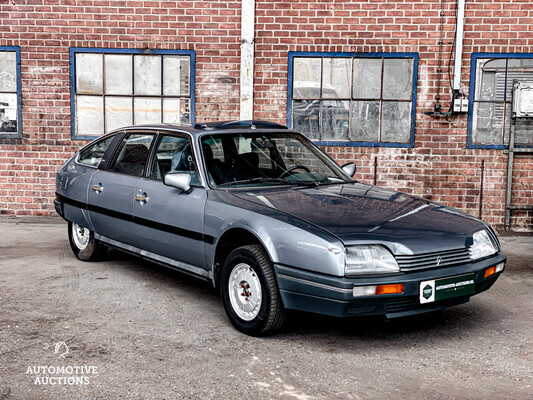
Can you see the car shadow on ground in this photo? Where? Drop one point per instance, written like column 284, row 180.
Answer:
column 463, row 320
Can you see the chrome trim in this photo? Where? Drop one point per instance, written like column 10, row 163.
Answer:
column 168, row 262
column 317, row 284
column 436, row 259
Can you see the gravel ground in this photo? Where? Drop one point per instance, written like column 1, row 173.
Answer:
column 135, row 330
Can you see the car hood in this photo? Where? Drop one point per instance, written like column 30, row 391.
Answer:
column 357, row 212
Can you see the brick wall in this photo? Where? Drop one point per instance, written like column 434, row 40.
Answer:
column 439, row 167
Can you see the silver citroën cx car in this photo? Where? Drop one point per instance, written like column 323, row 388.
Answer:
column 271, row 220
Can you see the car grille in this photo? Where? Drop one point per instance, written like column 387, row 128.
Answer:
column 412, row 303
column 433, row 260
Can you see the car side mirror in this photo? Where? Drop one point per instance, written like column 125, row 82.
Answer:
column 349, row 169
column 178, row 180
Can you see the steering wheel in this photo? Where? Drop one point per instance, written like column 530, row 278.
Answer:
column 294, row 167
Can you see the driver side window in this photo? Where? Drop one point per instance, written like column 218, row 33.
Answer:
column 174, row 154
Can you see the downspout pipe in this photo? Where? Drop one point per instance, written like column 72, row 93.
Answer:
column 247, row 59
column 459, row 45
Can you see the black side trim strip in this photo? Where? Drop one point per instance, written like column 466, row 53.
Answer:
column 169, row 228
column 110, row 213
column 140, row 221
column 74, row 203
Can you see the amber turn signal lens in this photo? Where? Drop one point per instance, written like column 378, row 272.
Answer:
column 490, row 271
column 390, row 289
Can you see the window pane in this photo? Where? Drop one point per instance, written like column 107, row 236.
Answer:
column 397, row 78
column 523, row 129
column 8, row 71
column 8, row 112
column 176, row 110
column 89, row 73
column 520, row 70
column 487, row 86
column 335, row 120
column 365, row 121
column 396, row 121
column 89, row 115
column 336, row 77
column 306, row 82
column 93, row 155
column 367, row 78
column 118, row 74
column 490, row 80
column 176, row 76
column 147, row 75
column 118, row 112
column 171, row 152
column 147, row 110
column 487, row 121
column 305, row 117
column 132, row 155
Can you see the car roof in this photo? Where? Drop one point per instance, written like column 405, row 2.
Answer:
column 211, row 127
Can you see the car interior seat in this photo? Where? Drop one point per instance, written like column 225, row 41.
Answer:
column 214, row 171
column 132, row 159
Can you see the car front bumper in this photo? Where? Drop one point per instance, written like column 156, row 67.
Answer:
column 309, row 291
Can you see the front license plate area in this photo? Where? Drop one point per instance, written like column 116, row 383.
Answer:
column 446, row 288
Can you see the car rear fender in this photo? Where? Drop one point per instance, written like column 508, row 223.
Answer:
column 71, row 191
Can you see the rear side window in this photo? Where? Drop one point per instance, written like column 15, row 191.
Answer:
column 132, row 154
column 93, row 154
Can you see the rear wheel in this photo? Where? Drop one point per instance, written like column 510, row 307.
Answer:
column 250, row 293
column 83, row 244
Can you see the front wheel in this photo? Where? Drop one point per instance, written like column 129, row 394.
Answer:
column 83, row 244
column 249, row 292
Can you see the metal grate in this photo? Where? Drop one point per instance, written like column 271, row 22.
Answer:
column 433, row 260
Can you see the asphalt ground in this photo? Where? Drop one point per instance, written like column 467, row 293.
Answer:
column 122, row 328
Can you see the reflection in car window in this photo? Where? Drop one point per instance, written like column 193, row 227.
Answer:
column 266, row 159
column 94, row 154
column 132, row 154
column 174, row 154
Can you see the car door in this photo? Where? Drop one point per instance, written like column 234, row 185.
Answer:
column 170, row 221
column 111, row 192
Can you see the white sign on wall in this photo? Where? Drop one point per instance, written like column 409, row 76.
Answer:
column 523, row 99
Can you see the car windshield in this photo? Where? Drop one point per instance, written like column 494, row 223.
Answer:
column 273, row 158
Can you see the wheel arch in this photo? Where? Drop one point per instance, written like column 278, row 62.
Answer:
column 231, row 239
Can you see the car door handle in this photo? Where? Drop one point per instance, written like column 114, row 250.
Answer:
column 98, row 188
column 142, row 198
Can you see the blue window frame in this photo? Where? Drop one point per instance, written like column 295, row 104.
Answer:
column 10, row 93
column 353, row 99
column 110, row 88
column 489, row 113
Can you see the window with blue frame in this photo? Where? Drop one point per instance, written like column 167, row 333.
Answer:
column 362, row 99
column 10, row 92
column 491, row 94
column 111, row 88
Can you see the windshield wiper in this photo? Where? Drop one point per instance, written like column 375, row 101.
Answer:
column 259, row 180
column 330, row 183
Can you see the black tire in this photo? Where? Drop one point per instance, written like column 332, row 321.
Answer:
column 89, row 252
column 270, row 315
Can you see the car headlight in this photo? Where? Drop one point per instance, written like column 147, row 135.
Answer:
column 483, row 245
column 369, row 259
